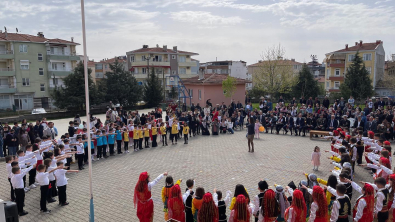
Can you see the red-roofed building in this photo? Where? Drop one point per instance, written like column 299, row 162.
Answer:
column 164, row 61
column 31, row 66
column 209, row 86
column 337, row 62
column 103, row 66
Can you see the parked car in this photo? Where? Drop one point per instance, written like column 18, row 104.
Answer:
column 38, row 111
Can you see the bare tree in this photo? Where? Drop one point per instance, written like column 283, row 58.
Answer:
column 274, row 73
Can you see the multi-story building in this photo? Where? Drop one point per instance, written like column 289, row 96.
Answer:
column 164, row 61
column 30, row 66
column 237, row 69
column 290, row 64
column 104, row 66
column 337, row 62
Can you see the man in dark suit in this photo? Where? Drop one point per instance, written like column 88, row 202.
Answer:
column 280, row 123
column 289, row 123
column 321, row 123
column 381, row 102
column 359, row 123
column 344, row 123
column 300, row 125
column 332, row 123
column 371, row 125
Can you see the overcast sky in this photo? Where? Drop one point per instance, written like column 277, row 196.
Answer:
column 226, row 29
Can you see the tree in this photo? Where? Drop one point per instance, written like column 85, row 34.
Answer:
column 274, row 74
column 306, row 85
column 256, row 93
column 357, row 82
column 173, row 93
column 229, row 86
column 72, row 94
column 153, row 90
column 120, row 87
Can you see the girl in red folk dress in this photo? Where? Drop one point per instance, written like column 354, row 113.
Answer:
column 241, row 211
column 297, row 211
column 364, row 207
column 319, row 207
column 208, row 211
column 175, row 205
column 271, row 209
column 142, row 197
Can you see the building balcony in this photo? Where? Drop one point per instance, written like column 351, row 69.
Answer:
column 7, row 90
column 334, row 90
column 141, row 63
column 8, row 54
column 62, row 56
column 340, row 64
column 6, row 72
column 187, row 64
column 336, row 78
column 61, row 72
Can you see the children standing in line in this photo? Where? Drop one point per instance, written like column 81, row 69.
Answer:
column 163, row 132
column 136, row 137
column 43, row 180
column 18, row 184
column 61, row 182
column 52, row 191
column 126, row 140
column 118, row 133
column 185, row 131
column 154, row 130
column 146, row 136
column 315, row 158
column 111, row 141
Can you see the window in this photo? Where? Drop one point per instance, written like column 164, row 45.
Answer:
column 136, row 70
column 369, row 69
column 327, row 84
column 328, row 72
column 224, row 71
column 351, row 57
column 157, row 58
column 337, row 72
column 367, row 57
column 41, row 71
column 191, row 93
column 99, row 66
column 132, row 58
column 144, row 70
column 200, row 94
column 25, row 82
column 143, row 58
column 181, row 58
column 22, row 48
column 25, row 64
column 105, row 66
column 40, row 57
column 42, row 87
column 173, row 72
column 336, row 85
column 173, row 56
column 183, row 71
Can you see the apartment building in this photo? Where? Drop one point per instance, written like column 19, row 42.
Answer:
column 103, row 66
column 32, row 65
column 164, row 61
column 293, row 66
column 237, row 69
column 337, row 62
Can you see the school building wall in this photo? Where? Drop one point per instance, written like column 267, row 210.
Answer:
column 215, row 93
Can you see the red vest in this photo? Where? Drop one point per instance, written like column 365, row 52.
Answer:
column 366, row 217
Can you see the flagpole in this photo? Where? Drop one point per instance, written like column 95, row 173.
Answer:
column 87, row 107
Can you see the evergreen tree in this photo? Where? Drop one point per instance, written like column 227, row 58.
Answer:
column 153, row 90
column 120, row 87
column 71, row 96
column 306, row 85
column 357, row 82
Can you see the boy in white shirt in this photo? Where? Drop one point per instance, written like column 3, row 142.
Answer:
column 17, row 183
column 8, row 160
column 61, row 183
column 43, row 180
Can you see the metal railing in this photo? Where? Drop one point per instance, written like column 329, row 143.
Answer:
column 6, row 52
column 59, row 69
column 6, row 69
column 61, row 53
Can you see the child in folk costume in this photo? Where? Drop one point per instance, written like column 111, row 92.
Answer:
column 239, row 190
column 282, row 201
column 176, row 205
column 319, row 207
column 187, row 198
column 269, row 209
column 258, row 199
column 197, row 202
column 208, row 211
column 315, row 158
column 297, row 211
column 364, row 207
column 382, row 199
column 154, row 133
column 166, row 194
column 142, row 197
column 242, row 210
column 221, row 204
column 341, row 207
